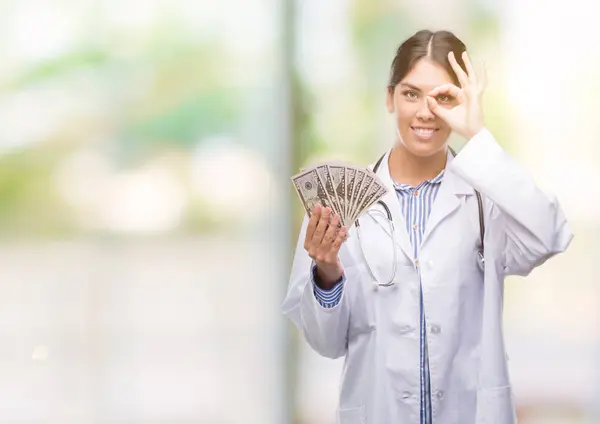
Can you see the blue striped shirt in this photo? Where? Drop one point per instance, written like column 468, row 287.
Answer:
column 327, row 298
column 416, row 205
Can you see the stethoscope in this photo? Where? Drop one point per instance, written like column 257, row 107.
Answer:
column 390, row 219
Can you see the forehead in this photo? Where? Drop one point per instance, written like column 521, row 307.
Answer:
column 426, row 75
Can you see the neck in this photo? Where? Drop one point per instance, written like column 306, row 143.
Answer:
column 407, row 168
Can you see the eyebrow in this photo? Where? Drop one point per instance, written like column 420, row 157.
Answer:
column 414, row 87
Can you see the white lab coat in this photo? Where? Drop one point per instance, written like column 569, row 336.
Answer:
column 377, row 330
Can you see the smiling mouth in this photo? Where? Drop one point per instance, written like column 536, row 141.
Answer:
column 424, row 133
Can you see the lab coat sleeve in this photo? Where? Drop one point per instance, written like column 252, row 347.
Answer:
column 535, row 226
column 324, row 328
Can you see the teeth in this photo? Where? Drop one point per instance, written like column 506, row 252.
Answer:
column 424, row 131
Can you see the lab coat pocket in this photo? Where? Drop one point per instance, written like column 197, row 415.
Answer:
column 496, row 406
column 352, row 415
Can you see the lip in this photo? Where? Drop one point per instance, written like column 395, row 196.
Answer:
column 424, row 136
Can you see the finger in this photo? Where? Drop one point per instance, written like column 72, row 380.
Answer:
column 435, row 108
column 462, row 77
column 321, row 227
column 313, row 221
column 471, row 72
column 342, row 236
column 330, row 234
column 449, row 89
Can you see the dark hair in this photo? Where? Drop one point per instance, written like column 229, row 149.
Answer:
column 425, row 43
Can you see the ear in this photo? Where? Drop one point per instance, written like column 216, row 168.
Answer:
column 389, row 99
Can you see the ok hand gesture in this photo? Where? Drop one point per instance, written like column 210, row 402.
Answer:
column 466, row 117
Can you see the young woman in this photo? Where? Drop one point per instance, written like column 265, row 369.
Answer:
column 416, row 307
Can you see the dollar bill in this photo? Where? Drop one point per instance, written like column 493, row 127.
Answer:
column 362, row 191
column 326, row 178
column 338, row 176
column 311, row 190
column 347, row 190
column 376, row 192
column 360, row 175
column 350, row 177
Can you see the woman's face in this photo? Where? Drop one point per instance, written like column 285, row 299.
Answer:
column 420, row 131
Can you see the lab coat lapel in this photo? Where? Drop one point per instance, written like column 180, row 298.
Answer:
column 392, row 202
column 446, row 201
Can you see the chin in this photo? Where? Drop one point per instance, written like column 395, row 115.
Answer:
column 424, row 146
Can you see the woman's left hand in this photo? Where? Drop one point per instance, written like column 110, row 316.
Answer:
column 466, row 115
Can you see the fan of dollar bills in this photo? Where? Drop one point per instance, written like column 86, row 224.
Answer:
column 347, row 190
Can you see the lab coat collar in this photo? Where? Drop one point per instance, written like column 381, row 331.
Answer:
column 446, row 202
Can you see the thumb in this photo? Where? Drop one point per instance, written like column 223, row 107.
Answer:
column 435, row 107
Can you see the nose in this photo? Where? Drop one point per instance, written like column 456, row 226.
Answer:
column 424, row 113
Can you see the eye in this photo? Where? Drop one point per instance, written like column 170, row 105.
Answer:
column 444, row 98
column 410, row 94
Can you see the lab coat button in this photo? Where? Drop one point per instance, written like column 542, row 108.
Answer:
column 435, row 329
column 440, row 395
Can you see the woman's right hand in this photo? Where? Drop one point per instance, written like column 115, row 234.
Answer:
column 324, row 237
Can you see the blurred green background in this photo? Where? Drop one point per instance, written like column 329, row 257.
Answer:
column 104, row 99
column 147, row 220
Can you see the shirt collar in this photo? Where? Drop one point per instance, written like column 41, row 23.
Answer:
column 436, row 180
